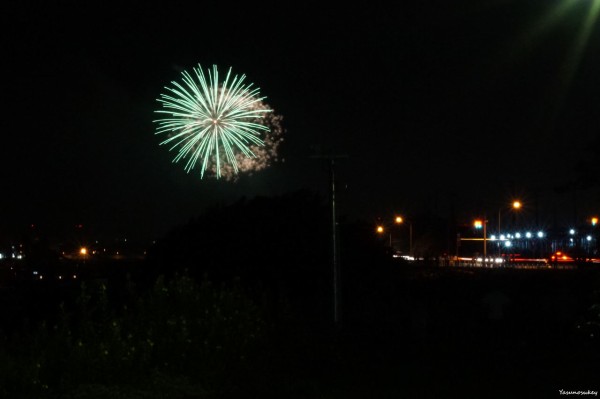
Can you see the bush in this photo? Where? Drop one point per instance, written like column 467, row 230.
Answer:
column 179, row 335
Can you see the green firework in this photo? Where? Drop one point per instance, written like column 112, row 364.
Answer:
column 211, row 123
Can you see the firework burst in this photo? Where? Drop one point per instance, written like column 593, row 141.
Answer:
column 224, row 127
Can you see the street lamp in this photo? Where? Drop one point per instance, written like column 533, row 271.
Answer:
column 478, row 225
column 398, row 220
column 83, row 251
column 381, row 228
column 516, row 205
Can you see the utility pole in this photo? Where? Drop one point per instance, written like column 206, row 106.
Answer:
column 335, row 263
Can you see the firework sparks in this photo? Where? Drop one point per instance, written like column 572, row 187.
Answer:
column 265, row 155
column 223, row 126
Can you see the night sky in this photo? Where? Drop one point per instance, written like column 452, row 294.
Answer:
column 447, row 107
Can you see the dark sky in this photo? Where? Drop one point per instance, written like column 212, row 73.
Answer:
column 439, row 106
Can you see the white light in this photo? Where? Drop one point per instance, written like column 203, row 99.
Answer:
column 502, row 237
column 493, row 237
column 540, row 234
column 507, row 244
column 518, row 235
column 1, row 256
column 572, row 231
column 528, row 235
column 589, row 238
column 498, row 260
column 570, row 239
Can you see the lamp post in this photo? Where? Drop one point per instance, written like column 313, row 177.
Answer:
column 380, row 230
column 483, row 224
column 410, row 239
column 398, row 220
column 516, row 205
column 83, row 251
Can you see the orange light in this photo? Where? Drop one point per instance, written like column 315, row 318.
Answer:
column 380, row 229
column 478, row 224
column 594, row 221
column 398, row 219
column 517, row 204
column 83, row 251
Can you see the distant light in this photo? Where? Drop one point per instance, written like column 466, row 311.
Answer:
column 478, row 224
column 594, row 221
column 540, row 234
column 572, row 231
column 518, row 235
column 589, row 238
column 493, row 237
column 517, row 204
column 398, row 219
column 502, row 237
column 1, row 256
column 507, row 244
column 83, row 251
column 528, row 235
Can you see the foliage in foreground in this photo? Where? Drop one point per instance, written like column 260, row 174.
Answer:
column 179, row 339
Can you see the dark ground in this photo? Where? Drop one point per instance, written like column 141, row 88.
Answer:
column 425, row 332
column 432, row 335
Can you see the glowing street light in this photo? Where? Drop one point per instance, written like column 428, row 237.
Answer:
column 516, row 205
column 594, row 221
column 398, row 220
column 478, row 225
